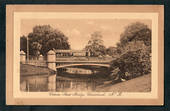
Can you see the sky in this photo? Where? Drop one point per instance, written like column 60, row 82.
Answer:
column 78, row 31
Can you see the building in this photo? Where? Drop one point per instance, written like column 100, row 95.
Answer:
column 75, row 53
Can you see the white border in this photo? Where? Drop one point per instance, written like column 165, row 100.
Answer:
column 69, row 15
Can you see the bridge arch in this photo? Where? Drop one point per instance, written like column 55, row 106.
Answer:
column 70, row 65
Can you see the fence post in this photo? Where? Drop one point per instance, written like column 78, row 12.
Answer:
column 22, row 57
column 51, row 60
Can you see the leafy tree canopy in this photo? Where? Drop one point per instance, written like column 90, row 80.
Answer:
column 134, row 35
column 134, row 62
column 95, row 44
column 45, row 38
column 111, row 51
column 23, row 43
column 136, row 32
column 134, row 51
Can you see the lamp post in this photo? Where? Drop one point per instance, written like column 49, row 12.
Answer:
column 27, row 49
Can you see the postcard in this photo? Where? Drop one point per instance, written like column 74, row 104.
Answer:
column 84, row 55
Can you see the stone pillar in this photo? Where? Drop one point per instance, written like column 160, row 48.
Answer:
column 51, row 60
column 41, row 58
column 89, row 53
column 22, row 57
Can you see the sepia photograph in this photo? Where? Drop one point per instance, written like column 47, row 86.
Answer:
column 76, row 56
column 85, row 55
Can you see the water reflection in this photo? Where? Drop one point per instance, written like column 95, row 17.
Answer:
column 66, row 79
column 77, row 71
column 34, row 83
column 56, row 83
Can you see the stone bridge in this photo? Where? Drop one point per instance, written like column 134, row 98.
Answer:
column 55, row 64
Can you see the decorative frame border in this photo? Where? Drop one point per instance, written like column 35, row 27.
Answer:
column 11, row 100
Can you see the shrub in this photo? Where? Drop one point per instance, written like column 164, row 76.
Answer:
column 133, row 63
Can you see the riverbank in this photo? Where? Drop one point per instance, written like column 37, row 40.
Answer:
column 139, row 84
column 28, row 70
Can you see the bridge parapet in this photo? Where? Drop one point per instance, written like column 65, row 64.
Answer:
column 83, row 59
column 53, row 61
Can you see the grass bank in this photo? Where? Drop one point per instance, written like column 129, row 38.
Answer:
column 139, row 84
column 28, row 70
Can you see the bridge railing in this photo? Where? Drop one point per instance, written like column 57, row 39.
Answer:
column 83, row 59
column 37, row 63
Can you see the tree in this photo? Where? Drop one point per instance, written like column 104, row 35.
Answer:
column 136, row 36
column 95, row 44
column 136, row 32
column 129, row 63
column 111, row 51
column 134, row 49
column 45, row 38
column 23, row 43
column 36, row 47
column 145, row 60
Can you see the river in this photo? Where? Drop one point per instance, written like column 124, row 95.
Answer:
column 66, row 80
